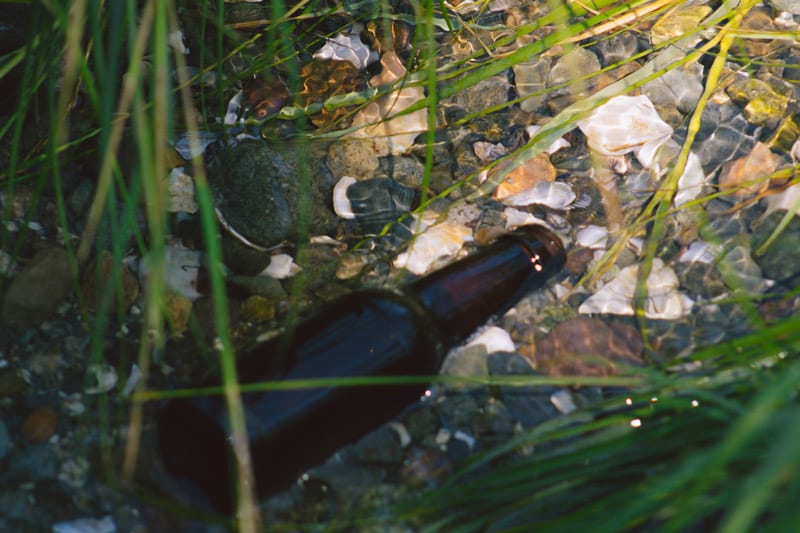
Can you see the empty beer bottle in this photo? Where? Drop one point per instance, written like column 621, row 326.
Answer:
column 404, row 332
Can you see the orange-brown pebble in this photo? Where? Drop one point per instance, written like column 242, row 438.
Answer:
column 748, row 175
column 40, row 425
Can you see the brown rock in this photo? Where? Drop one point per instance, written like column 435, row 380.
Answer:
column 98, row 280
column 177, row 309
column 747, row 175
column 38, row 289
column 40, row 425
column 588, row 347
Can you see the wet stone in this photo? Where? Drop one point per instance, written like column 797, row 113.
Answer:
column 33, row 463
column 407, row 170
column 530, row 79
column 257, row 190
column 671, row 338
column 379, row 201
column 589, row 347
column 562, row 80
column 617, row 48
column 483, row 95
column 781, row 261
column 724, row 135
column 352, row 157
column 37, row 291
column 679, row 88
column 379, row 447
column 701, row 279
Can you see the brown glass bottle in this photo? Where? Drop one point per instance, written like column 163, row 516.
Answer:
column 405, row 332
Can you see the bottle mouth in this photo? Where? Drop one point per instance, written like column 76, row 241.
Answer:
column 544, row 247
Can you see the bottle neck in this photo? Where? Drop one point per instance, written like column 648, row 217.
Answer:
column 462, row 296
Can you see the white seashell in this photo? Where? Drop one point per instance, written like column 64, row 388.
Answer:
column 438, row 243
column 495, row 339
column 180, row 187
column 347, row 47
column 464, row 437
column 105, row 377
column 396, row 135
column 86, row 525
column 184, row 145
column 563, row 401
column 691, row 182
column 594, row 237
column 786, row 200
column 664, row 301
column 281, row 266
column 175, row 40
column 553, row 194
column 181, row 266
column 326, row 240
column 557, row 145
column 626, row 124
column 234, row 111
column 516, row 218
column 133, row 379
column 699, row 251
column 341, row 203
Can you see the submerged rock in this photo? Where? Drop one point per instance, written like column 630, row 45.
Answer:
column 257, row 190
column 38, row 289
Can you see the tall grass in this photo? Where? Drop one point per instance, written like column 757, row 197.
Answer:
column 715, row 449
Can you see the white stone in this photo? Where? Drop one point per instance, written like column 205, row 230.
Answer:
column 180, row 188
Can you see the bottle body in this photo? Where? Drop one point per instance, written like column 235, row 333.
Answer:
column 366, row 333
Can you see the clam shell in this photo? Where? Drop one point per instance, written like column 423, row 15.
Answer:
column 664, row 301
column 436, row 245
column 347, row 47
column 626, row 124
column 553, row 194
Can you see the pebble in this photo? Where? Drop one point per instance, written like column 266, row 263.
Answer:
column 589, row 347
column 39, row 289
column 40, row 425
column 565, row 87
column 749, row 174
column 98, row 282
column 352, row 157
